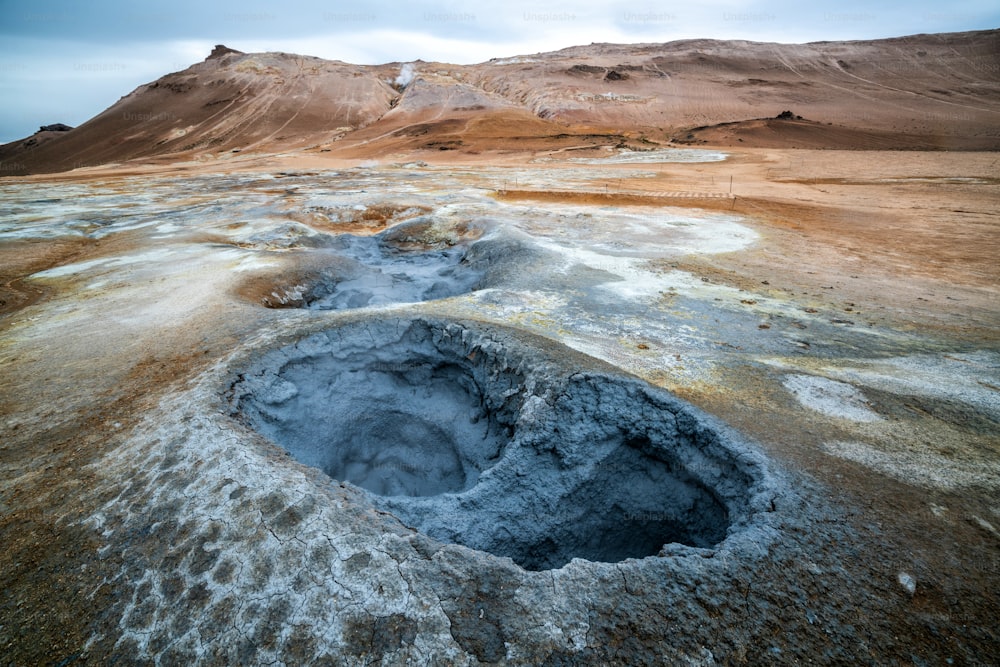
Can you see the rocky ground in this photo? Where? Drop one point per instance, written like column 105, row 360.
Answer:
column 734, row 408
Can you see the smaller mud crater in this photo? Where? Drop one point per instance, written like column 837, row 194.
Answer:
column 474, row 437
column 352, row 219
column 415, row 261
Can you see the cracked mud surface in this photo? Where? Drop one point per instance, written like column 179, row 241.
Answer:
column 847, row 337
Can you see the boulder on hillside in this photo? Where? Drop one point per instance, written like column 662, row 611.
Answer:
column 787, row 115
column 221, row 50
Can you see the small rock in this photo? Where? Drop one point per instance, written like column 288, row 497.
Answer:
column 985, row 525
column 908, row 583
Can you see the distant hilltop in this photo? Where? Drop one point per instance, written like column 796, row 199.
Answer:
column 938, row 91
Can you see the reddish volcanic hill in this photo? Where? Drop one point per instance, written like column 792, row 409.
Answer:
column 231, row 100
column 925, row 91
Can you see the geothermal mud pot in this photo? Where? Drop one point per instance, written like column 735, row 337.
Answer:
column 413, row 261
column 472, row 437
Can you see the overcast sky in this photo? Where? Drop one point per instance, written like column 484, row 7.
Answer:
column 64, row 61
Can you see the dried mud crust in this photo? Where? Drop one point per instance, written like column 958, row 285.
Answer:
column 222, row 549
column 460, row 436
column 190, row 541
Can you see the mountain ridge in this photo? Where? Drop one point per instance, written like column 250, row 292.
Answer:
column 936, row 91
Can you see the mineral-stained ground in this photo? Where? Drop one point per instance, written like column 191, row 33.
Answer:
column 669, row 407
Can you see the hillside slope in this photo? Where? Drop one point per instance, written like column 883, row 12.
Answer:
column 230, row 101
column 937, row 91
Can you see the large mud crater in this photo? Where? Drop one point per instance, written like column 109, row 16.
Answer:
column 485, row 437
